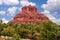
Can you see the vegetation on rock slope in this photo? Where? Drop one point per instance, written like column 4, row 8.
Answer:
column 45, row 31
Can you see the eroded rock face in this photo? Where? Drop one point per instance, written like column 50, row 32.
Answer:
column 29, row 15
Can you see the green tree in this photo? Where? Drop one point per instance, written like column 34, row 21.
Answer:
column 16, row 36
column 9, row 31
column 48, row 32
column 1, row 26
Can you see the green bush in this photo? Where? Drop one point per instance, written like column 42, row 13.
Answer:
column 9, row 31
column 49, row 32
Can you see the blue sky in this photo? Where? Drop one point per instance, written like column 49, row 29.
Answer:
column 50, row 8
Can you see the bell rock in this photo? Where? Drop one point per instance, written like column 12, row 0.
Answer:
column 29, row 15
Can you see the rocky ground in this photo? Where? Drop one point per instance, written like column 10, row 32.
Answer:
column 9, row 38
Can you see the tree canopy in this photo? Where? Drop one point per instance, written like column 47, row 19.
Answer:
column 45, row 31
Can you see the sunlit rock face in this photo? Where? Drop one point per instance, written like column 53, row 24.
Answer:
column 29, row 15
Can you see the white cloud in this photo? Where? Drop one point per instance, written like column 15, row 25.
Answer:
column 2, row 12
column 4, row 20
column 51, row 17
column 20, row 8
column 52, row 5
column 0, row 2
column 12, row 10
column 9, row 2
column 57, row 21
column 47, row 13
column 51, row 10
column 55, row 14
column 26, row 3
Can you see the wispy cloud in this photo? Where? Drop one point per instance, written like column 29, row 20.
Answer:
column 2, row 12
column 51, row 8
column 4, row 20
column 9, row 2
column 12, row 11
column 52, row 5
column 26, row 3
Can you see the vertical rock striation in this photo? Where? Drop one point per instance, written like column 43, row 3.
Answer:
column 29, row 15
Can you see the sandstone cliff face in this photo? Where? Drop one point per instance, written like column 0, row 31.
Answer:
column 29, row 15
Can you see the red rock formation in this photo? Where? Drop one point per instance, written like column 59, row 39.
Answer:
column 29, row 15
